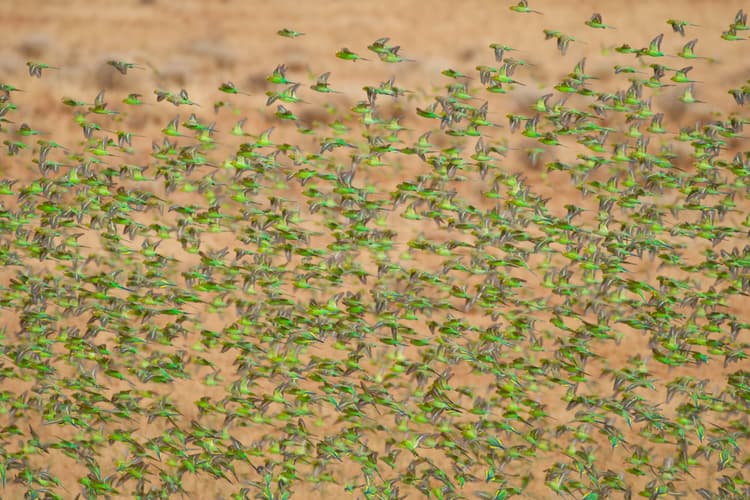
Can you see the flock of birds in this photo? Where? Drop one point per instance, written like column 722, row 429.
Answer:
column 341, row 332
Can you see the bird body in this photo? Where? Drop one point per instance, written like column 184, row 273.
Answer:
column 523, row 7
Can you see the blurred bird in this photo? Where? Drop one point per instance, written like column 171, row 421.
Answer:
column 322, row 84
column 680, row 75
column 740, row 22
column 687, row 96
column 596, row 22
column 348, row 55
column 229, row 88
column 500, row 50
column 731, row 35
column 133, row 99
column 687, row 51
column 523, row 7
column 653, row 49
column 288, row 95
column 35, row 68
column 678, row 26
column 379, row 46
column 279, row 76
column 100, row 107
column 123, row 66
column 288, row 33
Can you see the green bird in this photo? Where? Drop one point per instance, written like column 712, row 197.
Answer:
column 523, row 8
column 69, row 101
column 391, row 56
column 654, row 48
column 678, row 26
column 229, row 88
column 379, row 46
column 183, row 98
column 7, row 88
column 322, row 85
column 123, row 66
column 562, row 39
column 287, row 95
column 133, row 99
column 285, row 114
column 100, row 106
column 687, row 96
column 596, row 22
column 162, row 95
column 451, row 73
column 107, row 281
column 35, row 68
column 288, row 33
column 171, row 128
column 687, row 51
column 101, row 148
column 278, row 76
column 329, row 143
column 192, row 123
column 429, row 112
column 348, row 55
column 423, row 147
column 680, row 75
column 562, row 43
column 504, row 74
column 125, row 138
column 659, row 70
column 530, row 129
column 740, row 22
column 219, row 104
column 624, row 69
column 542, row 104
column 176, row 100
column 579, row 73
column 264, row 139
column 739, row 96
column 731, row 35
column 500, row 50
column 626, row 49
column 25, row 131
column 237, row 129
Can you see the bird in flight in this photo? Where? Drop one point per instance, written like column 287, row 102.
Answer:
column 596, row 22
column 100, row 106
column 229, row 88
column 123, row 66
column 654, row 48
column 288, row 95
column 286, row 32
column 523, row 7
column 278, row 76
column 35, row 68
column 322, row 84
column 678, row 26
column 687, row 50
column 348, row 55
column 133, row 99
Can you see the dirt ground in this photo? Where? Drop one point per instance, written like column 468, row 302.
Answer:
column 197, row 45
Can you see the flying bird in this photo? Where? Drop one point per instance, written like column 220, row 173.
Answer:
column 288, row 33
column 123, row 66
column 523, row 7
